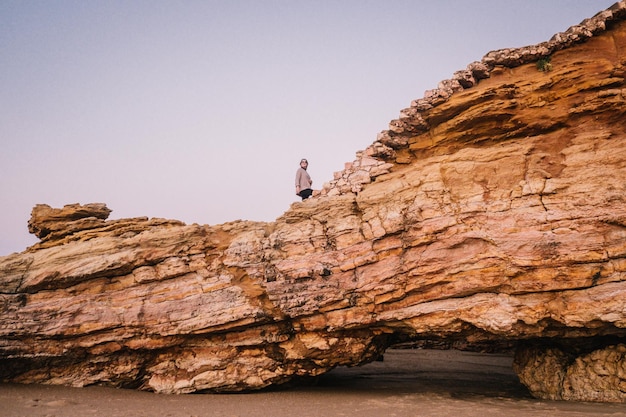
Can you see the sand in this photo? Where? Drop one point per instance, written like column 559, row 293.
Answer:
column 406, row 383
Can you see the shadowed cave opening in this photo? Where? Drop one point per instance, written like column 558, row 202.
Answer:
column 454, row 368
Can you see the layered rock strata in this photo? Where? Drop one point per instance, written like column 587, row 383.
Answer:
column 494, row 212
column 416, row 120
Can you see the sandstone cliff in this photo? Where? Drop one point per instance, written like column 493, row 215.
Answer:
column 493, row 210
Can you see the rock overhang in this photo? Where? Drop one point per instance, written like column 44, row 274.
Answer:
column 491, row 211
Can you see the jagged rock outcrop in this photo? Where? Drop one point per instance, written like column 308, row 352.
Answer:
column 577, row 372
column 492, row 211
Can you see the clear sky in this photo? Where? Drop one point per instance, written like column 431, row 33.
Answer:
column 201, row 110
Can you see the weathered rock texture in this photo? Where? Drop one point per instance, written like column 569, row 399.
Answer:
column 492, row 211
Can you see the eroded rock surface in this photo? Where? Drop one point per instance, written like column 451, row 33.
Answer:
column 574, row 372
column 492, row 211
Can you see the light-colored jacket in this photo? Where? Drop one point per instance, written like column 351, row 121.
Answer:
column 303, row 179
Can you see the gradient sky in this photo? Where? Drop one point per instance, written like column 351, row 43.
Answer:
column 201, row 110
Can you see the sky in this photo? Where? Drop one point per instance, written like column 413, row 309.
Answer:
column 200, row 111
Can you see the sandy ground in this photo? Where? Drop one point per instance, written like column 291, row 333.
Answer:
column 406, row 383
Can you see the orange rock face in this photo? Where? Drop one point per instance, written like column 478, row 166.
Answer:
column 494, row 210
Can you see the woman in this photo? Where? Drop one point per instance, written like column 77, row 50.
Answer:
column 303, row 181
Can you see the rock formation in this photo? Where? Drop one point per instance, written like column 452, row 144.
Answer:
column 493, row 210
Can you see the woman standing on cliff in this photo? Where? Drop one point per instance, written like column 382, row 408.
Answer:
column 303, row 181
